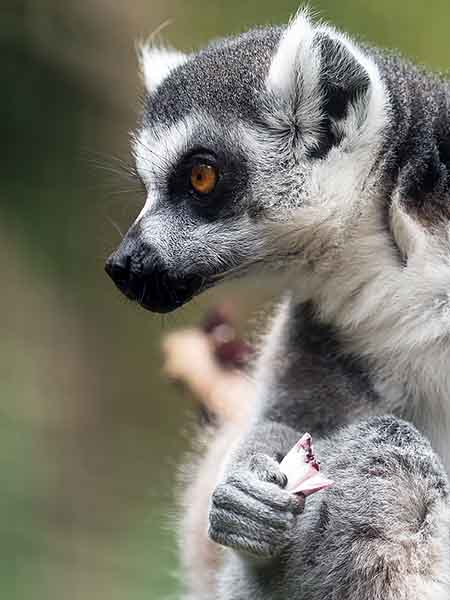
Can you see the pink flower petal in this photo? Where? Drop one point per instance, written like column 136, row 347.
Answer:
column 300, row 477
column 313, row 484
column 302, row 469
column 305, row 441
column 295, row 466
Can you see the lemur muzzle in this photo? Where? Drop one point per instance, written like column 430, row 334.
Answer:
column 141, row 276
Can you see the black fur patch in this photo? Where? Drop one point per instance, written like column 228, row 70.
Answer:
column 343, row 80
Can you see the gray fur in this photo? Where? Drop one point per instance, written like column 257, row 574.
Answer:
column 334, row 161
column 375, row 535
column 379, row 534
column 237, row 87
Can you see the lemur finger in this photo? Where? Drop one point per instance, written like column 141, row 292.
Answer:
column 229, row 498
column 230, row 523
column 242, row 543
column 268, row 493
column 267, row 469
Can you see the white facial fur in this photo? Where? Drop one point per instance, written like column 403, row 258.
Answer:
column 154, row 149
column 158, row 149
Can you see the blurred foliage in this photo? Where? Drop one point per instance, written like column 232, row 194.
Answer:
column 90, row 432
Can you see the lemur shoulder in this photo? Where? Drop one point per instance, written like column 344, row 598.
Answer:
column 297, row 153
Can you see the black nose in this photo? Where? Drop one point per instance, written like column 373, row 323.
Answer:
column 149, row 281
column 118, row 268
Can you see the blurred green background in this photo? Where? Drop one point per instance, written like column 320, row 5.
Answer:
column 90, row 432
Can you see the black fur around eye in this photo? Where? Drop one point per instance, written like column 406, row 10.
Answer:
column 209, row 182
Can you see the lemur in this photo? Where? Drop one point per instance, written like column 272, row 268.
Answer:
column 296, row 154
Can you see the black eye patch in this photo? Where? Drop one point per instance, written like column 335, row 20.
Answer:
column 225, row 197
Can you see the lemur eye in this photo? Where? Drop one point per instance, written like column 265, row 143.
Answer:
column 204, row 178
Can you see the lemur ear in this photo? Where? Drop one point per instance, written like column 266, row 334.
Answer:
column 157, row 63
column 322, row 88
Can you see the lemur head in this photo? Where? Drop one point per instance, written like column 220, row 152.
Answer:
column 242, row 147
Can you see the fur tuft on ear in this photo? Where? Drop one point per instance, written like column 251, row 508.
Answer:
column 156, row 63
column 323, row 90
column 296, row 47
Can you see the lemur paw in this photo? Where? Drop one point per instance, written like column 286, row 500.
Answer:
column 251, row 512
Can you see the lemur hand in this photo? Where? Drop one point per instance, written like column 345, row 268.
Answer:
column 251, row 512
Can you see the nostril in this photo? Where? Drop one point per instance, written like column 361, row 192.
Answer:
column 118, row 268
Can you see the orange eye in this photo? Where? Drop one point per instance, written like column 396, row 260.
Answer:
column 204, row 178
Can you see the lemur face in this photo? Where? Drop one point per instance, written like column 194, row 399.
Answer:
column 226, row 151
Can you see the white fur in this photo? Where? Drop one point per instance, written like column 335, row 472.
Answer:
column 294, row 77
column 295, row 48
column 157, row 63
column 155, row 150
column 395, row 315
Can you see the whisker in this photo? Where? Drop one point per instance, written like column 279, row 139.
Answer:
column 144, row 291
column 116, row 227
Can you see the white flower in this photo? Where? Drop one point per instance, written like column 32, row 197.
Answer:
column 302, row 469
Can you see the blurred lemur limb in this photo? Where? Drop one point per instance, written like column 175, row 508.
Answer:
column 296, row 154
column 210, row 361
